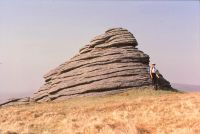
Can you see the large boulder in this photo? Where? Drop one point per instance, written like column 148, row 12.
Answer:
column 110, row 63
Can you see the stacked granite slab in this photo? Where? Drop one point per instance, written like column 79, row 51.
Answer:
column 110, row 63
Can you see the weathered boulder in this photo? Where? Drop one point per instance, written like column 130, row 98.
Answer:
column 110, row 63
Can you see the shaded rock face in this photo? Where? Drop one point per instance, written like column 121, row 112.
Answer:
column 110, row 63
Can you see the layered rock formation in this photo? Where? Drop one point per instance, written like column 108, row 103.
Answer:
column 16, row 101
column 110, row 63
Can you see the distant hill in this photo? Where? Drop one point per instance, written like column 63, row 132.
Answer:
column 186, row 87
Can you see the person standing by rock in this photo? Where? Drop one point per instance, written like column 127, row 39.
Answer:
column 154, row 76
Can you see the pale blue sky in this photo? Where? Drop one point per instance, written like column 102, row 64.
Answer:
column 36, row 36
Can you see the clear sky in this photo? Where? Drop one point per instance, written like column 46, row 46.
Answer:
column 38, row 35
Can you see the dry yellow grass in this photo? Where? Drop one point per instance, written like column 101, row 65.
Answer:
column 132, row 112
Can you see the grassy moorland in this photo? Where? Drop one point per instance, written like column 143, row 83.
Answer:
column 138, row 111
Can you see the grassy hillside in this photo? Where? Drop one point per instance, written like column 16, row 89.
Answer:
column 133, row 112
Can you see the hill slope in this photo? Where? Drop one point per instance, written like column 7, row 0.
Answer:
column 132, row 112
column 186, row 87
